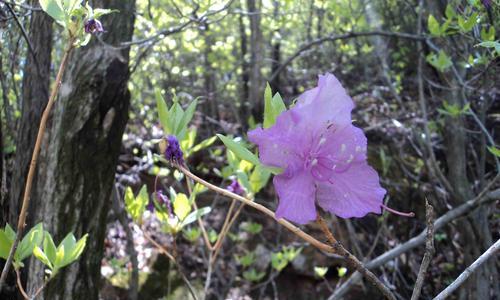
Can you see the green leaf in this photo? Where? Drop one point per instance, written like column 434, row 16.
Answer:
column 259, row 178
column 136, row 206
column 49, row 248
column 5, row 244
column 494, row 150
column 440, row 61
column 31, row 240
column 253, row 276
column 491, row 44
column 449, row 12
column 185, row 119
column 320, row 271
column 193, row 216
column 273, row 107
column 182, row 206
column 203, row 144
column 99, row 12
column 239, row 150
column 175, row 113
column 79, row 247
column 434, row 27
column 41, row 256
column 69, row 5
column 488, row 35
column 163, row 114
column 54, row 9
column 10, row 232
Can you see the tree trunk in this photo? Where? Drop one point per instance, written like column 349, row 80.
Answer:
column 80, row 151
column 256, row 84
column 476, row 234
column 245, row 71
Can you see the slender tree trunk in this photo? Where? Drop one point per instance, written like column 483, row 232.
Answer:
column 80, row 151
column 245, row 71
column 476, row 234
column 256, row 83
column 276, row 51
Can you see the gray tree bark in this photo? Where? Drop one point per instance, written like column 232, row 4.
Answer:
column 80, row 152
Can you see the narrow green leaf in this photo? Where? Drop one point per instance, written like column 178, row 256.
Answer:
column 494, row 150
column 41, row 256
column 193, row 216
column 49, row 248
column 239, row 150
column 203, row 144
column 186, row 118
column 259, row 178
column 163, row 114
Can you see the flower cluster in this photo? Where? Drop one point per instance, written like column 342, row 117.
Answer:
column 323, row 157
column 173, row 151
column 93, row 26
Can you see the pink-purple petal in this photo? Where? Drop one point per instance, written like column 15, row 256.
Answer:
column 352, row 193
column 296, row 196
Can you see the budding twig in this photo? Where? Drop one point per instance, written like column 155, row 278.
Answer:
column 31, row 172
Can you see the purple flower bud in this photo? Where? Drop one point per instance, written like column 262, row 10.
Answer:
column 486, row 3
column 173, row 152
column 163, row 200
column 235, row 187
column 92, row 26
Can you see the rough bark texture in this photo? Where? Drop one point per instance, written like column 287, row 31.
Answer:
column 35, row 94
column 79, row 154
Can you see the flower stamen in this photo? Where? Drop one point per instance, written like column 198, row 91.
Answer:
column 399, row 213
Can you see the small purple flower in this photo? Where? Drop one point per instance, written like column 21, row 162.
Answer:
column 323, row 157
column 486, row 3
column 236, row 188
column 173, row 152
column 163, row 201
column 93, row 26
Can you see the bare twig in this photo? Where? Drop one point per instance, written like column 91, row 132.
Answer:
column 345, row 36
column 468, row 272
column 429, row 251
column 25, row 35
column 165, row 252
column 34, row 158
column 483, row 198
column 336, row 248
column 20, row 285
column 353, row 261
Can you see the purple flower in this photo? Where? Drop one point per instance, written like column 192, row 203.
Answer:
column 486, row 3
column 92, row 26
column 173, row 151
column 163, row 201
column 235, row 187
column 323, row 157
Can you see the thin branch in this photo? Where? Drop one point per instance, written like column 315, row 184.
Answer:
column 25, row 35
column 20, row 285
column 31, row 172
column 429, row 251
column 468, row 272
column 483, row 198
column 349, row 35
column 336, row 248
